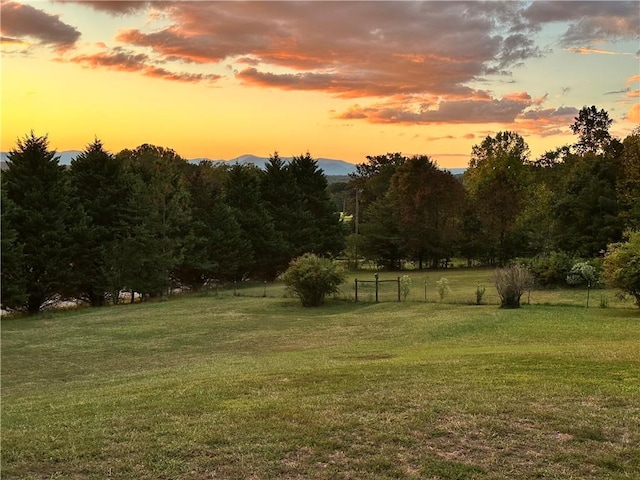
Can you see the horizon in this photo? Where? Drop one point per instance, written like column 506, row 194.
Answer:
column 341, row 80
column 66, row 156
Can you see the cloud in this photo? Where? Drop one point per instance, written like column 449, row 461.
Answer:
column 19, row 21
column 634, row 114
column 617, row 92
column 11, row 41
column 123, row 60
column 504, row 110
column 115, row 8
column 404, row 62
column 589, row 50
column 348, row 49
column 589, row 21
column 546, row 122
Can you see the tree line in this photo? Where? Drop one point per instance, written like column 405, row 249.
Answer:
column 569, row 203
column 145, row 219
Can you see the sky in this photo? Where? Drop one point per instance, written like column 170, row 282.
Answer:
column 338, row 79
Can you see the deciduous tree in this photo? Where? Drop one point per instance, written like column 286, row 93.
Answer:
column 622, row 265
column 592, row 128
column 496, row 180
column 428, row 203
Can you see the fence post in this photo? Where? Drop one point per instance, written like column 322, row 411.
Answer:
column 376, row 275
column 398, row 289
column 356, row 289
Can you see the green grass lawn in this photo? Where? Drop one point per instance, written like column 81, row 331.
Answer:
column 462, row 282
column 245, row 387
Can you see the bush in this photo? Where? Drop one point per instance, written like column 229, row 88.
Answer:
column 550, row 269
column 311, row 278
column 583, row 272
column 479, row 294
column 442, row 286
column 511, row 283
column 622, row 266
column 405, row 286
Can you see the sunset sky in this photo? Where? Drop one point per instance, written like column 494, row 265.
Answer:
column 338, row 79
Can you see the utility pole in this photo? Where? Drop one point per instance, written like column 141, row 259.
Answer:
column 357, row 219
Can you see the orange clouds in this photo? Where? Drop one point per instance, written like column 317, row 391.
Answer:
column 20, row 21
column 405, row 62
column 634, row 113
column 122, row 60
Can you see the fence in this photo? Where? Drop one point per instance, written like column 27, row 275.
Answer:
column 359, row 284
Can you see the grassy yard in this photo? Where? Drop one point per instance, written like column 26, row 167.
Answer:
column 462, row 284
column 246, row 387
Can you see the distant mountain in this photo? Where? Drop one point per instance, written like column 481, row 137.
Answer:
column 65, row 157
column 330, row 167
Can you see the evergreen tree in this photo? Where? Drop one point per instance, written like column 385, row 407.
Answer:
column 381, row 237
column 48, row 217
column 326, row 235
column 215, row 247
column 158, row 218
column 285, row 203
column 12, row 275
column 267, row 249
column 102, row 187
column 586, row 210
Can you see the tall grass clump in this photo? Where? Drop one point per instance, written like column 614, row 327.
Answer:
column 511, row 282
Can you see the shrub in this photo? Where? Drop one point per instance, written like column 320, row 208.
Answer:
column 583, row 272
column 479, row 294
column 311, row 278
column 511, row 283
column 442, row 286
column 622, row 266
column 405, row 286
column 550, row 269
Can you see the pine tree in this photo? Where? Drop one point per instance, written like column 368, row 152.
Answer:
column 325, row 232
column 100, row 183
column 215, row 247
column 39, row 188
column 12, row 275
column 269, row 253
column 157, row 219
